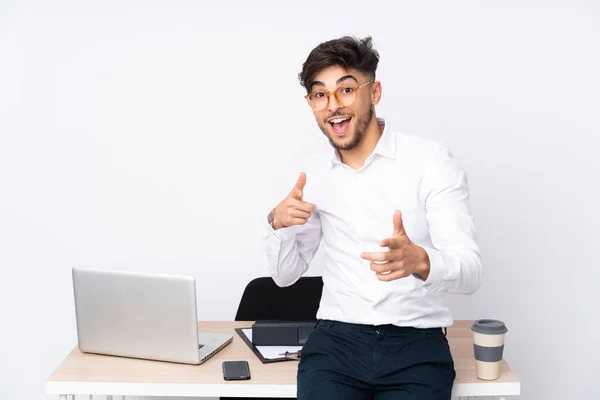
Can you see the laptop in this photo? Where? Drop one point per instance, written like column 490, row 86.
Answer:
column 141, row 315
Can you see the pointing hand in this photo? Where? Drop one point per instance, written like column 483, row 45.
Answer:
column 404, row 258
column 293, row 210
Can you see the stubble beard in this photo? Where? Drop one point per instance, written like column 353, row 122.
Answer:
column 357, row 136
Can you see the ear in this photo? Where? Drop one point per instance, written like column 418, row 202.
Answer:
column 376, row 93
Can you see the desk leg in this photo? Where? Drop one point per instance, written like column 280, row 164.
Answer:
column 502, row 398
column 62, row 397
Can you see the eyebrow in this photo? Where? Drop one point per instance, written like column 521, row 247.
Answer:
column 343, row 78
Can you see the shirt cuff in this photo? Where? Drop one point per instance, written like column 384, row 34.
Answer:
column 284, row 234
column 437, row 268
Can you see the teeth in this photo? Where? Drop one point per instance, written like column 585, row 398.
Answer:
column 337, row 120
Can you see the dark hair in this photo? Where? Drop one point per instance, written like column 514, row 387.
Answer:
column 346, row 52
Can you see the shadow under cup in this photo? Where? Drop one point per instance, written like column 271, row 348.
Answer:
column 488, row 343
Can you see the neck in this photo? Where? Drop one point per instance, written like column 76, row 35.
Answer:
column 356, row 157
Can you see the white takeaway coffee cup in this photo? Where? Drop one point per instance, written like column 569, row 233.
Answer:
column 488, row 343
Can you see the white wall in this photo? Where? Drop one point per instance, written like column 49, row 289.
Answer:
column 154, row 136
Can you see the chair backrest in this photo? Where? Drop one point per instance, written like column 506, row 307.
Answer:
column 264, row 300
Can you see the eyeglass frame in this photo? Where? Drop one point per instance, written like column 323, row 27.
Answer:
column 329, row 93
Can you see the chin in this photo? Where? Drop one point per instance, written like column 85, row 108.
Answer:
column 346, row 143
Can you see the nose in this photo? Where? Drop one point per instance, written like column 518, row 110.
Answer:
column 332, row 103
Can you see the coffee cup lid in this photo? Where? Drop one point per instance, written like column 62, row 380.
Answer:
column 489, row 327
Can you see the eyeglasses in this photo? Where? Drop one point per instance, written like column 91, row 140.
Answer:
column 344, row 95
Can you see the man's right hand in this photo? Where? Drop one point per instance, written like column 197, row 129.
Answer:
column 293, row 210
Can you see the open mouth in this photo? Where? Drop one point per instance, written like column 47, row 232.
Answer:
column 340, row 125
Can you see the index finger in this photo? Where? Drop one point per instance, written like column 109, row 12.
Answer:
column 305, row 206
column 392, row 243
column 374, row 256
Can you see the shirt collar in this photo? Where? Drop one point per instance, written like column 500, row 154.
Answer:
column 386, row 145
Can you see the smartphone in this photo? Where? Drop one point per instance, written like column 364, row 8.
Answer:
column 236, row 370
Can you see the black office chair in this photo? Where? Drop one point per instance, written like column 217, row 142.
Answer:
column 264, row 300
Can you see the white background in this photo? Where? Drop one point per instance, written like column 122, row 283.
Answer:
column 155, row 136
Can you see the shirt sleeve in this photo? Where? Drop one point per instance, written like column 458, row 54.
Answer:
column 454, row 256
column 290, row 250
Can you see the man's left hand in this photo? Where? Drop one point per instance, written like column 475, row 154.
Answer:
column 404, row 258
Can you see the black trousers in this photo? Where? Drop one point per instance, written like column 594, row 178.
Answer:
column 356, row 362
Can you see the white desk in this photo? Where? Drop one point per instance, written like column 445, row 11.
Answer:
column 103, row 375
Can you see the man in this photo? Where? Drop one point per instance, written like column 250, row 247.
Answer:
column 392, row 213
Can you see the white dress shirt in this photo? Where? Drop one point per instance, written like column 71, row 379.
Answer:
column 354, row 212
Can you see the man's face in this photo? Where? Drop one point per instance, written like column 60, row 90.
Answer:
column 344, row 125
